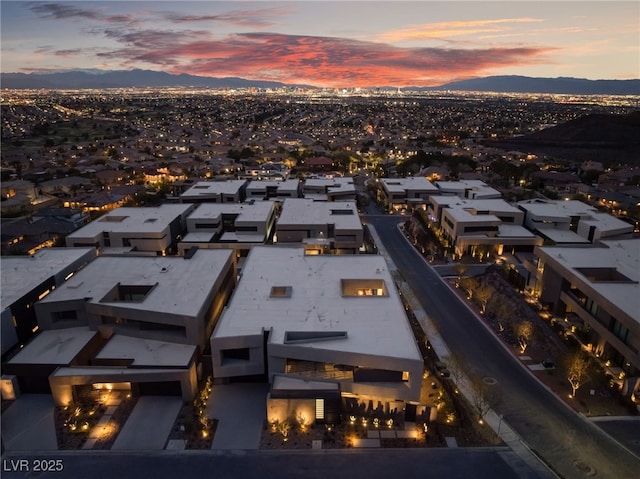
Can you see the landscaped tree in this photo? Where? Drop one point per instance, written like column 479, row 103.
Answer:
column 577, row 366
column 460, row 269
column 480, row 397
column 483, row 293
column 524, row 331
column 457, row 366
column 469, row 284
column 284, row 427
column 504, row 311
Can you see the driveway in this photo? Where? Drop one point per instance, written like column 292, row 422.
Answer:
column 28, row 424
column 149, row 424
column 241, row 410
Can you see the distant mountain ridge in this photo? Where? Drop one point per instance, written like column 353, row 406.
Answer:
column 562, row 85
column 79, row 79
column 91, row 78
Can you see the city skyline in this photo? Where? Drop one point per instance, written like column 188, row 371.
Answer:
column 327, row 44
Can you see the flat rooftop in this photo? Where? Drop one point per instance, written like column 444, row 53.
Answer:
column 208, row 188
column 56, row 346
column 462, row 215
column 281, row 185
column 561, row 236
column 171, row 284
column 319, row 189
column 606, row 222
column 557, row 208
column 198, row 237
column 133, row 220
column 461, row 186
column 410, row 183
column 250, row 212
column 303, row 211
column 304, row 297
column 21, row 274
column 623, row 256
column 147, row 352
column 331, row 184
column 492, row 204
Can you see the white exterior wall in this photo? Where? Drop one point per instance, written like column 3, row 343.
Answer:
column 405, row 391
column 533, row 222
column 142, row 242
column 229, row 368
column 214, row 225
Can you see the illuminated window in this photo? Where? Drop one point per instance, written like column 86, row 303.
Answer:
column 363, row 287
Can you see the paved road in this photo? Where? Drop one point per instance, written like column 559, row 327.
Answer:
column 573, row 446
column 458, row 463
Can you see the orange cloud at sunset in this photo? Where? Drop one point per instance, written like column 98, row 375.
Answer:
column 322, row 61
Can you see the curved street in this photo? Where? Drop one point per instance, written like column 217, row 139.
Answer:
column 573, row 446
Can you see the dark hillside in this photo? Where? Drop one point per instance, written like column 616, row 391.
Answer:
column 598, row 137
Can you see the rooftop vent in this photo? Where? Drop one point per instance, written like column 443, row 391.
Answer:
column 190, row 252
column 281, row 292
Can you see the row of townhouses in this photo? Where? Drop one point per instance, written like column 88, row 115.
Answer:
column 261, row 283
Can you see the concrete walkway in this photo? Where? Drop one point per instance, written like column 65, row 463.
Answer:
column 28, row 425
column 149, row 424
column 241, row 410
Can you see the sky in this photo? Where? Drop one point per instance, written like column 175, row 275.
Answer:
column 327, row 43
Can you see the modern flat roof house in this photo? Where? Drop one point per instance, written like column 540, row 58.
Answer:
column 488, row 223
column 112, row 318
column 27, row 279
column 406, row 193
column 215, row 191
column 154, row 230
column 234, row 225
column 567, row 222
column 320, row 226
column 273, row 190
column 334, row 189
column 471, row 189
column 597, row 288
column 318, row 327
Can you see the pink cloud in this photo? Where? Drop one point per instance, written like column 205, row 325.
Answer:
column 324, row 61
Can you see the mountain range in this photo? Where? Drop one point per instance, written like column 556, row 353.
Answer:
column 96, row 79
